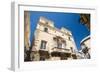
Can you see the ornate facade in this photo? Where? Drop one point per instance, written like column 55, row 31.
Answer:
column 51, row 43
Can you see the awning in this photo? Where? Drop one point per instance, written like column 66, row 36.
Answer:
column 60, row 54
column 74, row 56
column 44, row 53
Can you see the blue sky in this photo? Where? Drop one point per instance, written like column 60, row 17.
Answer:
column 67, row 20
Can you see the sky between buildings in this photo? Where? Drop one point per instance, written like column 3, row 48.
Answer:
column 69, row 21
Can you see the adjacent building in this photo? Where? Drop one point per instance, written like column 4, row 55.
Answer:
column 85, row 47
column 85, row 43
column 26, row 36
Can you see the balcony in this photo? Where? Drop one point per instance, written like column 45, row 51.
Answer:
column 60, row 52
column 56, row 49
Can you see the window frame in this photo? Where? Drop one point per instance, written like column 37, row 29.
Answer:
column 43, row 44
column 45, row 29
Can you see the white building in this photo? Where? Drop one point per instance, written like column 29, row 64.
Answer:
column 85, row 47
column 51, row 43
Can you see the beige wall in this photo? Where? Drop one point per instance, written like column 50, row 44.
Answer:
column 27, row 29
column 87, row 43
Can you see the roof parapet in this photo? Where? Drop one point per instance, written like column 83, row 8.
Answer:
column 44, row 20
